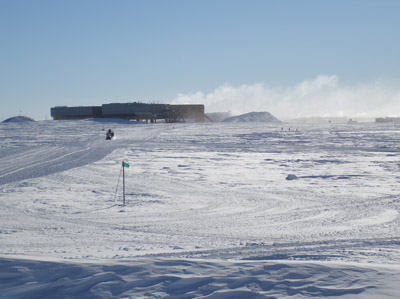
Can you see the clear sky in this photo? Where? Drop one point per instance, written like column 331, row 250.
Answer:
column 291, row 58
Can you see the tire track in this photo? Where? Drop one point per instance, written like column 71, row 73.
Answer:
column 42, row 162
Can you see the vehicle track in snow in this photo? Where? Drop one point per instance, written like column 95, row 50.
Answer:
column 75, row 145
column 203, row 191
column 51, row 159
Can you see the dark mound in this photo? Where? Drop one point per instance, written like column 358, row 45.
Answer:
column 18, row 119
column 254, row 117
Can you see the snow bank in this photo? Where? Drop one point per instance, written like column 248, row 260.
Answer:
column 188, row 278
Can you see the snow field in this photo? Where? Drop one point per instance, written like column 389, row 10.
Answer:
column 212, row 195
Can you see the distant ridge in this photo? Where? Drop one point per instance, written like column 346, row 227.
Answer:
column 18, row 119
column 253, row 117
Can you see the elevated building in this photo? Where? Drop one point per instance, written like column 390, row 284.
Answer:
column 133, row 111
column 138, row 111
column 387, row 120
column 81, row 112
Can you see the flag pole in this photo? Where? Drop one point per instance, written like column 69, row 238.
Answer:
column 124, row 164
column 116, row 189
column 123, row 181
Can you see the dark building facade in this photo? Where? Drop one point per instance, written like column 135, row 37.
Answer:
column 81, row 112
column 133, row 111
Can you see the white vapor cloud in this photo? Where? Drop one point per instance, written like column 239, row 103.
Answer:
column 322, row 96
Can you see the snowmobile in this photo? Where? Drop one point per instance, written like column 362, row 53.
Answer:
column 109, row 135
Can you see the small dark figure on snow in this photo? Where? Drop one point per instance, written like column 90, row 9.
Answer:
column 110, row 134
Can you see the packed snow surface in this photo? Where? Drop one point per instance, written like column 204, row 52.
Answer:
column 210, row 211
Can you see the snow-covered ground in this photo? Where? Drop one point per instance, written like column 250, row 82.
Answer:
column 211, row 210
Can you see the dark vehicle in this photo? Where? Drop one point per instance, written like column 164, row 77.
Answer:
column 109, row 135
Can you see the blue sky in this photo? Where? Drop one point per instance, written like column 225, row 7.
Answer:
column 228, row 54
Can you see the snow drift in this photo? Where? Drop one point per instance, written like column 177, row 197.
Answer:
column 188, row 278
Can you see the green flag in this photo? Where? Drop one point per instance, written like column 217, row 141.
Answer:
column 124, row 164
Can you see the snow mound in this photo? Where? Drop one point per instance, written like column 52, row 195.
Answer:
column 253, row 117
column 218, row 116
column 177, row 278
column 291, row 177
column 18, row 119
